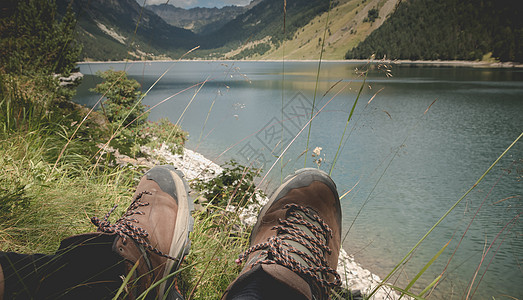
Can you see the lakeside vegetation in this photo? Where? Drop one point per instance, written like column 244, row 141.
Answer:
column 56, row 173
column 54, row 178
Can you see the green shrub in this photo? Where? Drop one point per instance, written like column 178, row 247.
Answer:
column 234, row 185
column 163, row 131
column 372, row 15
column 123, row 104
column 123, row 109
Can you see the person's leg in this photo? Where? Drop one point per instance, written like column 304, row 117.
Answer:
column 262, row 286
column 83, row 265
column 153, row 234
column 295, row 243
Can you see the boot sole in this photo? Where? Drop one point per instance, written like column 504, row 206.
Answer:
column 181, row 244
column 300, row 178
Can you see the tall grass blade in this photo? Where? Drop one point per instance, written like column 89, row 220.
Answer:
column 190, row 102
column 447, row 213
column 282, row 83
column 205, row 124
column 492, row 258
column 346, row 124
column 401, row 291
column 317, row 79
column 298, row 134
column 413, row 281
column 126, row 280
column 433, row 283
column 470, row 223
column 154, row 285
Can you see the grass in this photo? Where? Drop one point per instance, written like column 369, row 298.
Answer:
column 41, row 207
column 218, row 238
column 345, row 30
column 52, row 181
column 47, row 195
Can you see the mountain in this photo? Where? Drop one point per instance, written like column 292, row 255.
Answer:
column 448, row 30
column 200, row 20
column 261, row 28
column 266, row 21
column 122, row 29
column 349, row 24
column 402, row 29
column 106, row 30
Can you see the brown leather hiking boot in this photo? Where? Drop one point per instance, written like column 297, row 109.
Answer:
column 154, row 231
column 296, row 239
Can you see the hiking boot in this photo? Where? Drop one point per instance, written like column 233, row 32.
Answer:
column 154, row 231
column 296, row 239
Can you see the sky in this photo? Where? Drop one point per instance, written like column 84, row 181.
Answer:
column 195, row 3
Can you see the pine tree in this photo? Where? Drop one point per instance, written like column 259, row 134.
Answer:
column 122, row 105
column 33, row 38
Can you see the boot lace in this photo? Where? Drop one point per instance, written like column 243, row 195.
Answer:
column 277, row 251
column 125, row 228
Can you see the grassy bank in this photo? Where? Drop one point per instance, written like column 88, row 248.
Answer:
column 59, row 166
column 54, row 178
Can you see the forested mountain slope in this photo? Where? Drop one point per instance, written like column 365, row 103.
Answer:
column 448, row 30
column 265, row 21
column 106, row 29
column 349, row 23
column 119, row 29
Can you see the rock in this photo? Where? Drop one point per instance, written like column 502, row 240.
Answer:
column 72, row 79
column 192, row 164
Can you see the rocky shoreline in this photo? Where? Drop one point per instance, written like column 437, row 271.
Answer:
column 194, row 165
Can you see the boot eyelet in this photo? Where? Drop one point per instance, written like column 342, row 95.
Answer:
column 121, row 249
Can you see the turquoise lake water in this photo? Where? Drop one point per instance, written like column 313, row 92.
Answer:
column 405, row 166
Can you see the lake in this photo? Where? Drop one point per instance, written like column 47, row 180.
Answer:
column 405, row 164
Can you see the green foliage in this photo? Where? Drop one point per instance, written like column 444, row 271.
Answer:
column 32, row 102
column 163, row 131
column 17, row 108
column 39, row 206
column 259, row 49
column 123, row 106
column 12, row 199
column 217, row 239
column 126, row 113
column 234, row 185
column 448, row 30
column 32, row 38
column 372, row 15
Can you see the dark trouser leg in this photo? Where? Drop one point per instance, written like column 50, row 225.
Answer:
column 261, row 286
column 85, row 267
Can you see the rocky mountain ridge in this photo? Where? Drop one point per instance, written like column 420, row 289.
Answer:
column 200, row 20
